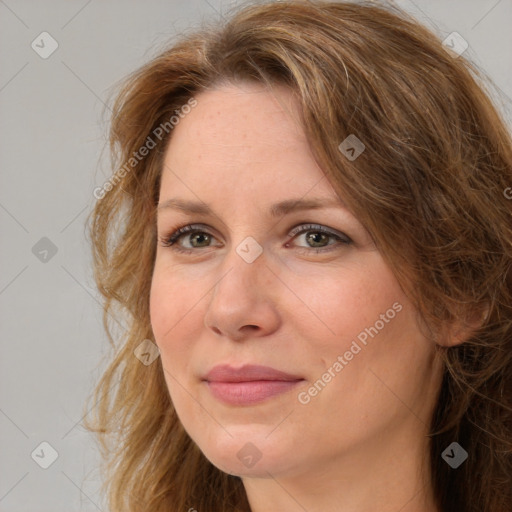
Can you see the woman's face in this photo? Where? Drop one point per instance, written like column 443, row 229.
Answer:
column 253, row 287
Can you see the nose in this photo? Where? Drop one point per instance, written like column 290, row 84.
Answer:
column 244, row 298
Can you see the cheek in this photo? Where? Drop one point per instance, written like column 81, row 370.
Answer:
column 174, row 322
column 173, row 308
column 337, row 305
column 172, row 298
column 162, row 306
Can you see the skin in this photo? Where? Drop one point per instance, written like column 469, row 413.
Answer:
column 360, row 444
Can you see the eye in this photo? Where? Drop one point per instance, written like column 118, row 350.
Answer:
column 317, row 235
column 198, row 236
column 190, row 229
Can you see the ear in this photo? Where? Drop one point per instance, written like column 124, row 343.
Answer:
column 460, row 331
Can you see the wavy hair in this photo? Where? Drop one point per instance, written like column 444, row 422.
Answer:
column 430, row 187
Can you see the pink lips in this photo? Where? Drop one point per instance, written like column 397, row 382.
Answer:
column 249, row 384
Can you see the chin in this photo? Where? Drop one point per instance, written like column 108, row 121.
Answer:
column 247, row 452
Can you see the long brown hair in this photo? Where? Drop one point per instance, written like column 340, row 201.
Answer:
column 431, row 188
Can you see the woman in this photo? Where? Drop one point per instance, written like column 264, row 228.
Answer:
column 310, row 231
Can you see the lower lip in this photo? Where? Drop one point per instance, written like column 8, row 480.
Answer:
column 247, row 393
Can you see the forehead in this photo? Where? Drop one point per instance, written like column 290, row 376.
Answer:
column 239, row 139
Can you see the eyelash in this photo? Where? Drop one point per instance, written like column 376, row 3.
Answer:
column 171, row 239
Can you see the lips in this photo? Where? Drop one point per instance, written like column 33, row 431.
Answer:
column 248, row 373
column 249, row 384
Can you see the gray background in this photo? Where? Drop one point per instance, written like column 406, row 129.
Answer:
column 52, row 138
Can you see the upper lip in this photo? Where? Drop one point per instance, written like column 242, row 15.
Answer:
column 247, row 373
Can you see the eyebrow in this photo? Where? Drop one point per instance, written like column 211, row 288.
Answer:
column 276, row 210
